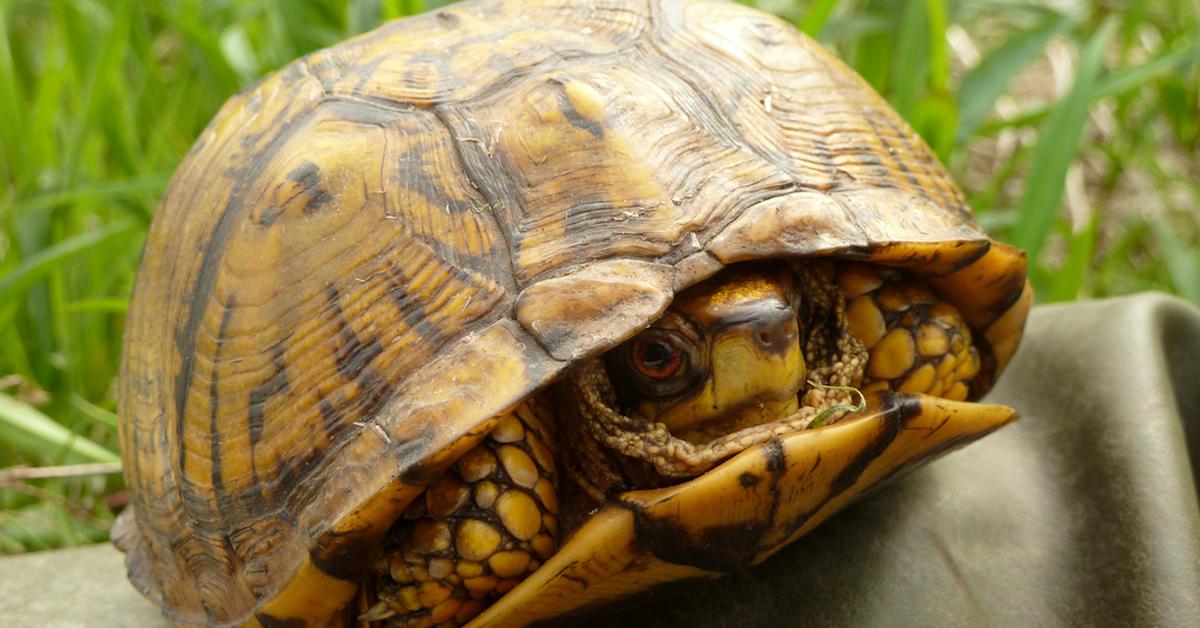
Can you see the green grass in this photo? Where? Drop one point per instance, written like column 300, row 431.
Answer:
column 1074, row 131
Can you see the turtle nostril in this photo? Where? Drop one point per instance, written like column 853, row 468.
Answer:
column 776, row 335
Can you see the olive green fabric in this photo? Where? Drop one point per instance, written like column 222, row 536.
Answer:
column 1082, row 513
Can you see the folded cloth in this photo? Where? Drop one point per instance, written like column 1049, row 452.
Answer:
column 1083, row 513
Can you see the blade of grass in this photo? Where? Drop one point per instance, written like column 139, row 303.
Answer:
column 95, row 412
column 936, row 113
column 1182, row 265
column 817, row 17
column 984, row 83
column 239, row 54
column 100, row 191
column 391, row 9
column 1130, row 79
column 39, row 264
column 203, row 38
column 939, row 54
column 413, row 7
column 114, row 305
column 1069, row 279
column 874, row 33
column 12, row 114
column 910, row 64
column 26, row 429
column 1056, row 148
column 1116, row 84
column 103, row 76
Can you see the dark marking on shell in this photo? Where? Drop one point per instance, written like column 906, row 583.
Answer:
column 837, row 176
column 415, row 316
column 317, row 201
column 871, row 118
column 367, row 112
column 777, row 465
column 413, row 455
column 577, row 120
column 721, row 548
column 344, row 555
column 447, row 19
column 269, row 621
column 331, row 418
column 353, row 354
column 967, row 260
column 214, row 397
column 575, row 579
column 413, row 172
column 1014, row 286
column 248, row 141
column 269, row 215
column 308, row 175
column 277, row 384
column 776, row 458
column 257, row 538
column 364, row 72
column 373, row 393
column 288, row 473
column 904, row 407
column 748, row 480
column 562, row 573
column 922, row 157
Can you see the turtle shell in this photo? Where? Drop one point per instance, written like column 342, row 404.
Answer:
column 377, row 249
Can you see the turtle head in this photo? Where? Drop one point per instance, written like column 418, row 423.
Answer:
column 726, row 355
column 728, row 365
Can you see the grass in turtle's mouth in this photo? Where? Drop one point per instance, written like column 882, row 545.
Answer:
column 829, row 412
column 807, row 417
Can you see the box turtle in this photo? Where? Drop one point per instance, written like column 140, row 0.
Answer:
column 508, row 310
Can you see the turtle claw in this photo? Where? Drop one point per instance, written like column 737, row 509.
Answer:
column 379, row 612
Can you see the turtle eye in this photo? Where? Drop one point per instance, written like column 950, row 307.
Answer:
column 656, row 358
column 658, row 363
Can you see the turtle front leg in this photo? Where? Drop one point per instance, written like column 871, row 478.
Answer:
column 484, row 526
column 916, row 341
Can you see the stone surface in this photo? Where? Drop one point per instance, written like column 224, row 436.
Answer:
column 72, row 588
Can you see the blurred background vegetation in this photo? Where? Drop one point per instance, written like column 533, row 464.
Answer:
column 1073, row 126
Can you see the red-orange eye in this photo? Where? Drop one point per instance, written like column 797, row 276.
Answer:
column 656, row 358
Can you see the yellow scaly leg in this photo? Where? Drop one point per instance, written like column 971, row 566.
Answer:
column 484, row 526
column 916, row 341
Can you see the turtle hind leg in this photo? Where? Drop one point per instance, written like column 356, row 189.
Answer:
column 484, row 526
column 916, row 341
